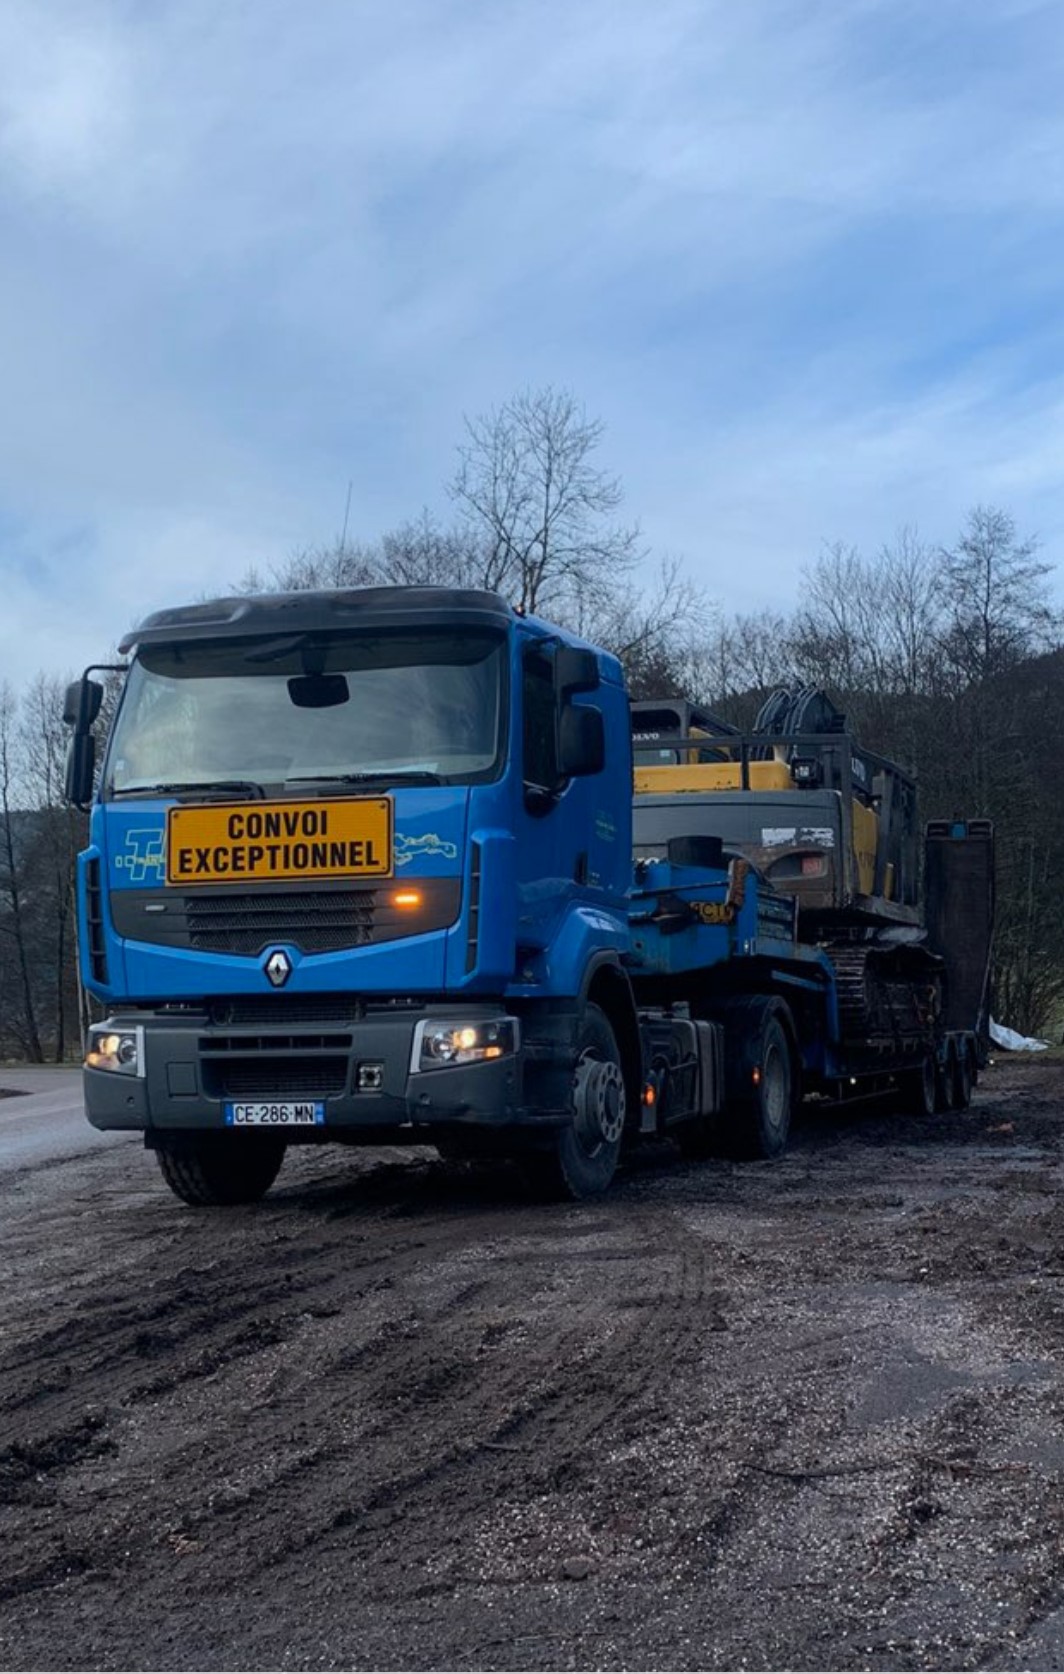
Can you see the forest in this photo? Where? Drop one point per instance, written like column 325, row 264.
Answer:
column 947, row 658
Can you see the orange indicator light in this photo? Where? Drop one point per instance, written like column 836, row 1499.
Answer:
column 407, row 898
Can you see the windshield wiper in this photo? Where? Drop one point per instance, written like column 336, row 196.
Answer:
column 220, row 787
column 419, row 776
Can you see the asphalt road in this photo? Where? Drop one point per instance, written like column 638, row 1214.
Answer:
column 796, row 1415
column 47, row 1121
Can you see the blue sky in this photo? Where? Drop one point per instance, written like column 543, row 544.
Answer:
column 803, row 260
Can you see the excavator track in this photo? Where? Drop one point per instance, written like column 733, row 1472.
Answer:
column 888, row 995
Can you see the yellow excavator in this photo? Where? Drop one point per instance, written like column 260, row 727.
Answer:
column 835, row 826
column 819, row 816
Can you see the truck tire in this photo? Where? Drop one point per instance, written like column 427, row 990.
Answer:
column 760, row 1079
column 944, row 1078
column 962, row 1077
column 917, row 1089
column 583, row 1158
column 220, row 1168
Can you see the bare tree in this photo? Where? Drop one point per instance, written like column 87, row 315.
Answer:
column 539, row 507
column 421, row 554
column 342, row 564
column 912, row 596
column 738, row 660
column 536, row 524
column 14, row 921
column 653, row 629
column 835, row 633
column 59, row 831
column 1030, row 972
column 996, row 595
column 416, row 554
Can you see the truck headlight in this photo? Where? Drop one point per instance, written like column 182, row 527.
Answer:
column 112, row 1048
column 438, row 1043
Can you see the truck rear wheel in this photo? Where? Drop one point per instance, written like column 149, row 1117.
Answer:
column 917, row 1089
column 220, row 1168
column 962, row 1077
column 761, row 1082
column 584, row 1156
column 945, row 1072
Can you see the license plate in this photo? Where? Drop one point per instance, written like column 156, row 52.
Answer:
column 279, row 842
column 292, row 1113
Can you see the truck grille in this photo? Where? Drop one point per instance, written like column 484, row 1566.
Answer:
column 272, row 1009
column 249, row 922
column 316, row 921
column 275, row 1078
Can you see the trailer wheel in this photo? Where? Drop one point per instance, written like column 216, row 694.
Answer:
column 583, row 1159
column 944, row 1079
column 220, row 1168
column 962, row 1077
column 761, row 1083
column 917, row 1089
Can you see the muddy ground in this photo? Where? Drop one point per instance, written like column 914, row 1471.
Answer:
column 802, row 1415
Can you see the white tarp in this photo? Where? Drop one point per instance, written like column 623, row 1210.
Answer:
column 1010, row 1041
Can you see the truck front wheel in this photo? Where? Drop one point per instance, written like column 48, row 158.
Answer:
column 583, row 1159
column 220, row 1168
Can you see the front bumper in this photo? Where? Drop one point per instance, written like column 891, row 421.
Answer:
column 191, row 1068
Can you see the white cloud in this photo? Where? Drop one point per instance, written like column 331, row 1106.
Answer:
column 64, row 97
column 802, row 260
column 768, row 495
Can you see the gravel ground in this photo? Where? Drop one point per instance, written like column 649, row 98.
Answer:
column 796, row 1415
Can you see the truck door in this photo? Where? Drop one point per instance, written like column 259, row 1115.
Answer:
column 545, row 865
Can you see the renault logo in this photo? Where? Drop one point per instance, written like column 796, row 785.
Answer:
column 278, row 968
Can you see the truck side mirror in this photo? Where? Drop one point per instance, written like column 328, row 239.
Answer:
column 581, row 742
column 81, row 769
column 575, row 670
column 82, row 703
column 80, row 708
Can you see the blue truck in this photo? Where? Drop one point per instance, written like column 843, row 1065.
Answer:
column 360, row 869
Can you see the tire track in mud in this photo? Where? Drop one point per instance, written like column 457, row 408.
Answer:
column 463, row 1434
column 194, row 1322
column 578, row 1381
column 539, row 1450
column 369, row 1421
column 590, row 1383
column 257, row 1265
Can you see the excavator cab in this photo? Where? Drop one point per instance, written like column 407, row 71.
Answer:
column 820, row 817
column 671, row 732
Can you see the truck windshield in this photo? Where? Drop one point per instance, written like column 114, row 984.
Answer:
column 338, row 710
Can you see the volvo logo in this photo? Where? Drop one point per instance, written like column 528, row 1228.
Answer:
column 278, row 968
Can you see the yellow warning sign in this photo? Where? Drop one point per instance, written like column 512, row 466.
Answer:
column 279, row 842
